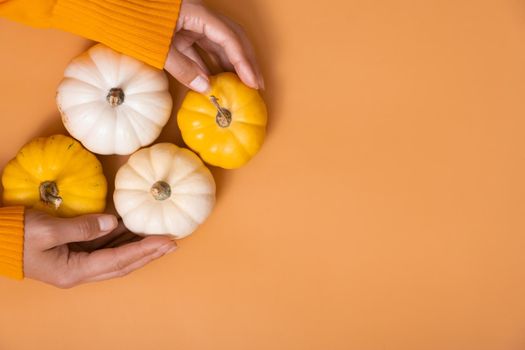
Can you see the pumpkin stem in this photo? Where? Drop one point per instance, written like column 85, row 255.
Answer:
column 224, row 116
column 115, row 97
column 160, row 190
column 49, row 194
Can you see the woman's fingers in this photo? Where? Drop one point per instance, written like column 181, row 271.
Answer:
column 198, row 19
column 217, row 54
column 101, row 242
column 124, row 238
column 214, row 51
column 187, row 71
column 128, row 269
column 252, row 58
column 80, row 229
column 248, row 48
column 192, row 53
column 184, row 43
column 220, row 33
column 86, row 267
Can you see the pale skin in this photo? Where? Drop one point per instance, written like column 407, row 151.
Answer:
column 90, row 248
column 221, row 39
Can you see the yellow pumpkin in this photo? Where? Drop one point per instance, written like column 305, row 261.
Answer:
column 55, row 174
column 228, row 125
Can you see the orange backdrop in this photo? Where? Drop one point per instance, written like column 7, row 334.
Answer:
column 385, row 211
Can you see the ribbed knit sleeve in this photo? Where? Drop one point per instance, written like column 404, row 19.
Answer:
column 139, row 28
column 12, row 242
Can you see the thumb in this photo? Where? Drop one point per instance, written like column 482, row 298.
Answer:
column 83, row 228
column 187, row 71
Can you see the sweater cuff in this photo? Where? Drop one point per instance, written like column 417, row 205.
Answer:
column 139, row 28
column 12, row 242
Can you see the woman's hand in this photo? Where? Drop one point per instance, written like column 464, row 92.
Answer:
column 67, row 252
column 223, row 40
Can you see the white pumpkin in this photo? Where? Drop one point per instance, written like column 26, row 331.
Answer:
column 112, row 103
column 164, row 189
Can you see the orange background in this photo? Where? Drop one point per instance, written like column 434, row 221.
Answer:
column 385, row 211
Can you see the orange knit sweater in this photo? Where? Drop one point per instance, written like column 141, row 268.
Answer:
column 139, row 28
column 12, row 242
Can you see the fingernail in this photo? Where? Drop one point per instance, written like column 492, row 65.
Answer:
column 247, row 72
column 107, row 222
column 200, row 84
column 261, row 83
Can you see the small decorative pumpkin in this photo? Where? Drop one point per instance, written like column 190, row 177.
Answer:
column 55, row 174
column 164, row 189
column 226, row 127
column 112, row 103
